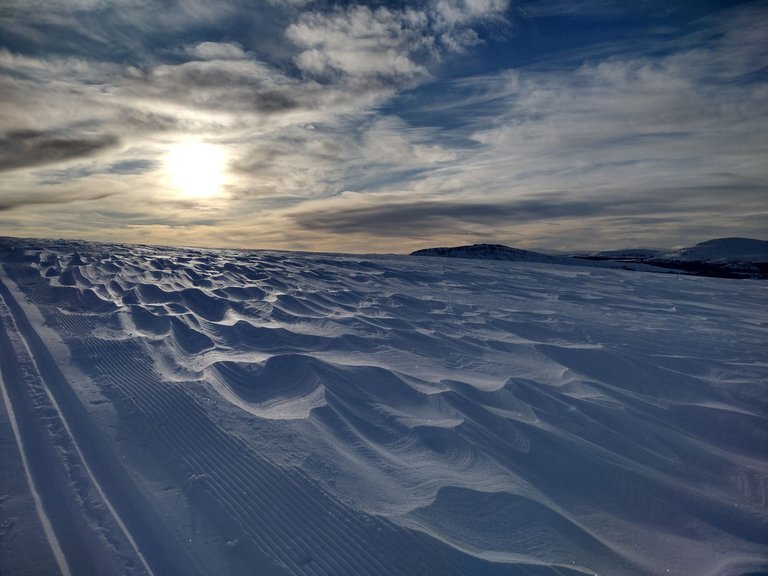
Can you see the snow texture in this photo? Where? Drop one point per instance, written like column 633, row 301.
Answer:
column 187, row 411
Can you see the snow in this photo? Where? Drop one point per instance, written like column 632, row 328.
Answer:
column 189, row 411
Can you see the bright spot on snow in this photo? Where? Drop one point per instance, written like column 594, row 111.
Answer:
column 196, row 169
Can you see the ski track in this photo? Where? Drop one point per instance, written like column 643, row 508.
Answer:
column 335, row 415
column 82, row 516
column 97, row 485
column 50, row 533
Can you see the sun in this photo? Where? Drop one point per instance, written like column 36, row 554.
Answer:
column 196, row 169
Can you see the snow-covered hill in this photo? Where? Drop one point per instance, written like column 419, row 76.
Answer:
column 719, row 250
column 490, row 252
column 722, row 257
column 724, row 249
column 188, row 411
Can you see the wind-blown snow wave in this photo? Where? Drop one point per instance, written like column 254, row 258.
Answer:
column 394, row 415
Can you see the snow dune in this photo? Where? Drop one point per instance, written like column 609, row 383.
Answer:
column 232, row 412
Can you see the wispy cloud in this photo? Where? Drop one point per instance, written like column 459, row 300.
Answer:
column 364, row 44
column 675, row 138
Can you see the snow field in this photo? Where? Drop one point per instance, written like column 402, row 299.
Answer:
column 328, row 414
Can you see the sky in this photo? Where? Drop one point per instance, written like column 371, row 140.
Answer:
column 384, row 126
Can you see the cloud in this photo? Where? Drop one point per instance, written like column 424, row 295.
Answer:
column 139, row 166
column 12, row 202
column 299, row 163
column 21, row 149
column 558, row 220
column 124, row 167
column 398, row 45
column 592, row 8
column 420, row 217
column 114, row 30
column 353, row 59
column 455, row 20
column 391, row 141
column 453, row 13
column 631, row 126
column 396, row 215
column 220, row 85
column 361, row 43
column 217, row 51
column 312, row 161
column 310, row 99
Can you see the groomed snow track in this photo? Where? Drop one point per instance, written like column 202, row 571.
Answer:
column 80, row 480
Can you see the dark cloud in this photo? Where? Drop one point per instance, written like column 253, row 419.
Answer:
column 131, row 167
column 410, row 219
column 33, row 199
column 229, row 85
column 405, row 219
column 125, row 167
column 28, row 148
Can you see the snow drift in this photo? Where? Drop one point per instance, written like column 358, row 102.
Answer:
column 225, row 412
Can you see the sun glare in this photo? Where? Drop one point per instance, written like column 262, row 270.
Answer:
column 196, row 170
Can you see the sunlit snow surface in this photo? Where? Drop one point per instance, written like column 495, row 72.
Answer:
column 288, row 413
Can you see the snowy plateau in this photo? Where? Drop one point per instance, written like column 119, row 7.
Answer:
column 176, row 411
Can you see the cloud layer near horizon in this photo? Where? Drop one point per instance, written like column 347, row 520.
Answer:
column 384, row 127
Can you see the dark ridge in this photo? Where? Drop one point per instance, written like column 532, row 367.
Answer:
column 487, row 252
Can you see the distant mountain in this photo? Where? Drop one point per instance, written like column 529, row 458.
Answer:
column 721, row 257
column 628, row 253
column 505, row 253
column 490, row 252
